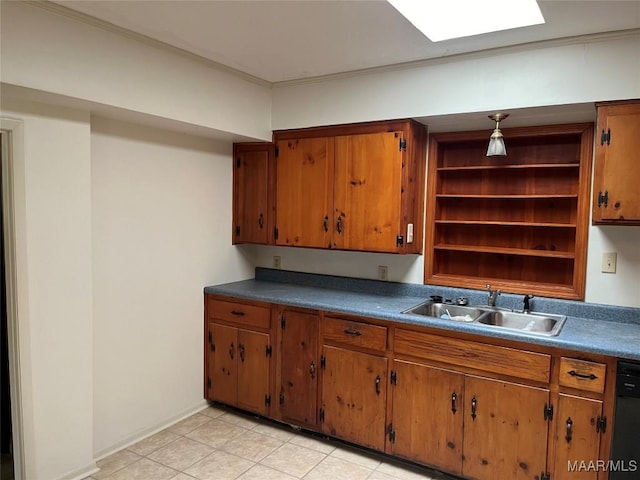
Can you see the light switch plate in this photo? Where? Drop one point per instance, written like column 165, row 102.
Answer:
column 609, row 262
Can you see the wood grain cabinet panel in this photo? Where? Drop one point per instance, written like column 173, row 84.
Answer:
column 299, row 367
column 505, row 431
column 354, row 396
column 428, row 415
column 577, row 437
column 352, row 187
column 253, row 203
column 583, row 375
column 359, row 334
column 617, row 165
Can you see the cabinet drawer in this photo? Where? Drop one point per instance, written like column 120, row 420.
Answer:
column 249, row 315
column 490, row 358
column 581, row 374
column 359, row 334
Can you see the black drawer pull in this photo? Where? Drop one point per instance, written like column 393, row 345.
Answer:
column 474, row 406
column 568, row 437
column 237, row 312
column 377, row 384
column 350, row 331
column 573, row 373
column 454, row 397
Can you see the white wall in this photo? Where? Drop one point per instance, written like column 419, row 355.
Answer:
column 49, row 52
column 53, row 220
column 161, row 211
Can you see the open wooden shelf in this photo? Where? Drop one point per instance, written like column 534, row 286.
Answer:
column 517, row 222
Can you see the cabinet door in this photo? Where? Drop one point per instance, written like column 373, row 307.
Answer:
column 577, row 440
column 617, row 170
column 223, row 369
column 368, row 191
column 253, row 371
column 505, row 432
column 299, row 367
column 251, row 210
column 428, row 415
column 304, row 198
column 354, row 392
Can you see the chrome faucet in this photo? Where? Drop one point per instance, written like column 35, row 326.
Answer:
column 527, row 306
column 493, row 296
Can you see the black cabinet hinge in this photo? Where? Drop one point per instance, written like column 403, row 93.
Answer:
column 399, row 240
column 276, row 151
column 394, row 377
column 548, row 412
column 545, row 476
column 392, row 433
column 601, row 424
column 605, row 137
column 269, row 351
column 403, row 145
column 283, row 322
column 323, row 362
column 603, row 198
column 237, row 231
column 212, row 345
column 275, row 233
column 238, row 162
column 321, row 415
column 267, row 400
column 281, row 398
column 209, row 383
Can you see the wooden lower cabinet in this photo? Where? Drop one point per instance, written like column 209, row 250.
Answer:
column 505, row 430
column 239, row 368
column 354, row 396
column 299, row 367
column 427, row 415
column 577, row 437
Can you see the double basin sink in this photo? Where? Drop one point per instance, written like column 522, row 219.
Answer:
column 534, row 323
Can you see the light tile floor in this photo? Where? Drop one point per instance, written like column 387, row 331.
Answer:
column 220, row 444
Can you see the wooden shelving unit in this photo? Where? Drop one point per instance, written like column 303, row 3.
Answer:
column 517, row 222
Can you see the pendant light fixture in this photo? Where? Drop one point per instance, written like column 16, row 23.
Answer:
column 496, row 142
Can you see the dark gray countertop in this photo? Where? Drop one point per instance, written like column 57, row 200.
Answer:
column 602, row 329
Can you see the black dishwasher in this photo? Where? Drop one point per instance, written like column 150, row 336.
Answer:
column 625, row 451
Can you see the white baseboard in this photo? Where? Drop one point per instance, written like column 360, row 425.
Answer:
column 81, row 473
column 141, row 435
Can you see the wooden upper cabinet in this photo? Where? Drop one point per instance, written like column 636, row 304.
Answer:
column 304, row 199
column 617, row 165
column 253, row 193
column 368, row 191
column 518, row 222
column 352, row 187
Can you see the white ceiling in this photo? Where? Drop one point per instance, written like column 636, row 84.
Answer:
column 278, row 41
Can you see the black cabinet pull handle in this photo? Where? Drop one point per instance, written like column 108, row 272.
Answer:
column 569, row 435
column 237, row 313
column 261, row 221
column 573, row 373
column 325, row 224
column 339, row 224
column 312, row 370
column 232, row 350
column 241, row 351
column 454, row 397
column 352, row 332
column 474, row 406
column 378, row 385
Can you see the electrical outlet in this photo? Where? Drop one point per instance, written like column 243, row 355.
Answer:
column 276, row 262
column 609, row 262
column 383, row 272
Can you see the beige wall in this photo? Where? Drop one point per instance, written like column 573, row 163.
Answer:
column 161, row 218
column 52, row 186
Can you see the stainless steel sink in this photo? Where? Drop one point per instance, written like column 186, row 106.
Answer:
column 541, row 324
column 446, row 311
column 534, row 323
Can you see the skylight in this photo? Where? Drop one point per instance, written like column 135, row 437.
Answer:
column 446, row 19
